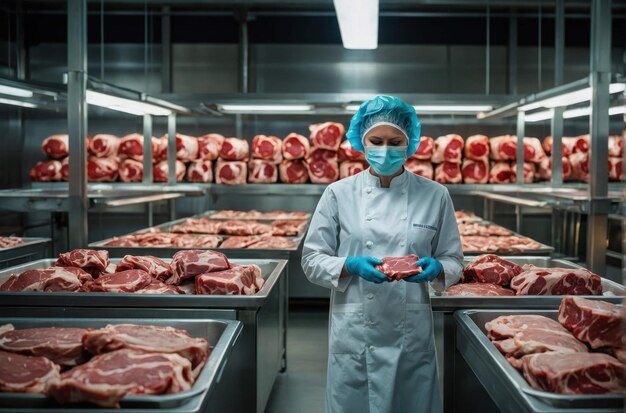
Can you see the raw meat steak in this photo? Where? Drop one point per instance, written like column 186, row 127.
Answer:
column 189, row 263
column 131, row 146
column 396, row 268
column 295, row 146
column 56, row 146
column 26, row 374
column 55, row 279
column 557, row 281
column 475, row 171
column 198, row 226
column 197, row 241
column 481, row 228
column 7, row 242
column 293, row 172
column 235, row 227
column 348, row 153
column 567, row 145
column 91, row 261
column 322, row 172
column 425, row 149
column 616, row 146
column 161, row 170
column 121, row 282
column 273, row 243
column 591, row 373
column 63, row 346
column 477, row 290
column 239, row 280
column 477, row 148
column 268, row 148
column 533, row 152
column 149, row 339
column 349, row 168
column 502, row 173
column 102, row 169
column 46, row 171
column 157, row 287
column 156, row 267
column 65, row 169
column 490, row 268
column 209, row 146
column 288, row 227
column 104, row 146
column 616, row 171
column 500, row 244
column 327, row 135
column 545, row 168
column 262, row 172
column 580, row 166
column 466, row 217
column 319, row 154
column 419, row 167
column 200, row 171
column 448, row 148
column 257, row 274
column 504, row 148
column 231, row 173
column 579, row 144
column 234, row 149
column 239, row 241
column 131, row 171
column 597, row 323
column 106, row 379
column 448, row 173
column 186, row 147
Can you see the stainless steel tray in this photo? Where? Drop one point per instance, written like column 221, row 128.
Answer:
column 221, row 334
column 505, row 384
column 613, row 291
column 272, row 270
column 542, row 250
column 29, row 247
column 209, row 214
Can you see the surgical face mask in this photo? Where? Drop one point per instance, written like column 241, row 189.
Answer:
column 385, row 160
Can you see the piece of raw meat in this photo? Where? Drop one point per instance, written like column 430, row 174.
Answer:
column 501, row 173
column 149, row 339
column 349, row 168
column 63, row 346
column 120, row 282
column 327, row 135
column 46, row 171
column 477, row 148
column 580, row 166
column 65, row 169
column 580, row 144
column 463, row 217
column 420, row 167
column 397, row 268
column 490, row 268
column 26, row 374
column 189, row 263
column 572, row 373
column 200, row 171
column 102, row 169
column 533, row 151
column 131, row 146
column 320, row 154
column 239, row 280
column 91, row 261
column 557, row 281
column 273, row 243
column 595, row 322
column 348, row 153
column 545, row 168
column 268, row 148
column 106, row 379
column 425, row 149
column 56, row 146
column 293, row 172
column 196, row 241
column 235, row 227
column 448, row 148
column 239, row 241
column 160, row 171
column 234, row 149
column 448, row 173
column 186, row 147
column 262, row 172
column 295, row 146
column 103, row 145
column 478, row 290
column 482, row 228
column 504, row 148
column 475, row 171
column 288, row 227
column 322, row 172
column 198, row 226
column 54, row 279
column 209, row 146
column 501, row 244
column 7, row 242
column 158, row 287
column 156, row 267
column 529, row 172
column 567, row 145
column 616, row 171
column 231, row 173
column 131, row 171
column 616, row 146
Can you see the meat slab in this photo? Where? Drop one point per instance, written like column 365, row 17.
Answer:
column 7, row 242
column 200, row 171
column 480, row 228
column 448, row 173
column 327, row 135
column 322, row 172
column 349, row 168
column 231, row 173
column 348, row 153
column 491, row 269
column 62, row 345
column 478, row 290
column 425, row 149
column 103, row 145
column 295, row 146
column 502, row 173
column 396, row 268
column 91, row 261
column 572, row 373
column 616, row 146
column 26, row 374
column 131, row 146
column 557, row 281
column 244, row 227
column 198, row 226
column 158, row 287
column 545, row 168
column 106, row 379
column 475, row 171
column 131, row 171
column 595, row 322
column 268, row 148
column 234, row 149
column 503, row 148
column 46, row 171
column 121, row 282
column 273, row 243
column 102, row 169
column 616, row 169
column 239, row 280
column 288, row 227
column 262, row 171
column 209, row 146
column 511, row 243
column 156, row 267
column 189, row 263
column 56, row 146
column 448, row 148
column 160, row 171
column 420, row 167
column 237, row 242
column 293, row 172
column 149, row 339
column 477, row 148
column 55, row 279
column 533, row 151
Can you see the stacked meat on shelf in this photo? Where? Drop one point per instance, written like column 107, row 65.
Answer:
column 8, row 242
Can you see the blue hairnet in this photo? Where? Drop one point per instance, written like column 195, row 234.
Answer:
column 387, row 109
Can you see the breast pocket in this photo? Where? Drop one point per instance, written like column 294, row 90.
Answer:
column 346, row 329
column 421, row 239
column 418, row 328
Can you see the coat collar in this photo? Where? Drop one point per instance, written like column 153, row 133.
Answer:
column 398, row 181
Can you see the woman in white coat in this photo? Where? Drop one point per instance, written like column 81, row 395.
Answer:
column 381, row 342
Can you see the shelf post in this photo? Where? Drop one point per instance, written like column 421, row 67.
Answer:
column 171, row 149
column 520, row 147
column 556, row 126
column 147, row 149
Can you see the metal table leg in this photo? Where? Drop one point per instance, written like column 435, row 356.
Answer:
column 449, row 347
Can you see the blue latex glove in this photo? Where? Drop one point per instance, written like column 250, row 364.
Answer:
column 431, row 270
column 363, row 267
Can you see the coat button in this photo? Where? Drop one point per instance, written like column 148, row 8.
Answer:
column 403, row 191
column 369, row 218
column 370, row 296
column 368, row 190
column 402, row 245
column 369, row 244
column 372, row 348
column 404, row 218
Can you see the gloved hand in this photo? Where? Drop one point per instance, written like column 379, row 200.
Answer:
column 363, row 267
column 431, row 270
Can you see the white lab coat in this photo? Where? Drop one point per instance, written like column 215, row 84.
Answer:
column 381, row 342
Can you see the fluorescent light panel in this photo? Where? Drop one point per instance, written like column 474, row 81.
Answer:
column 125, row 105
column 571, row 113
column 15, row 91
column 17, row 103
column 438, row 108
column 358, row 23
column 571, row 98
column 249, row 108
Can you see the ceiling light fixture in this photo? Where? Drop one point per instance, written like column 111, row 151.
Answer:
column 15, row 91
column 119, row 104
column 571, row 98
column 17, row 103
column 358, row 23
column 264, row 108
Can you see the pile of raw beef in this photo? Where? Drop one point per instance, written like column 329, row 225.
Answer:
column 479, row 236
column 7, row 242
column 101, row 365
column 582, row 353
column 490, row 275
column 188, row 272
